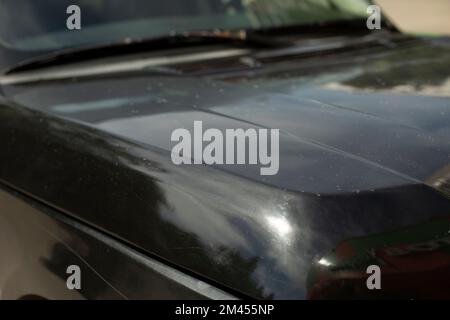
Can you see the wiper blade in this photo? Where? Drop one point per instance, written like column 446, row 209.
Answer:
column 174, row 40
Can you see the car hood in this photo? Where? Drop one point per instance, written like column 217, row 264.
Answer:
column 363, row 137
column 377, row 123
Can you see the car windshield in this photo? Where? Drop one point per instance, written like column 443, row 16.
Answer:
column 29, row 25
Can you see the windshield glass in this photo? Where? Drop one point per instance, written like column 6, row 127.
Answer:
column 29, row 25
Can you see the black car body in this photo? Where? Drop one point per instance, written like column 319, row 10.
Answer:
column 364, row 177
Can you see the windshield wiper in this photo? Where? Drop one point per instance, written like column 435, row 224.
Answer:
column 174, row 40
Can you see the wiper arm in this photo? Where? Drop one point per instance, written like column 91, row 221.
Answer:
column 175, row 40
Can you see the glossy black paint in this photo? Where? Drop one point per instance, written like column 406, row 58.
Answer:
column 364, row 149
column 38, row 244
